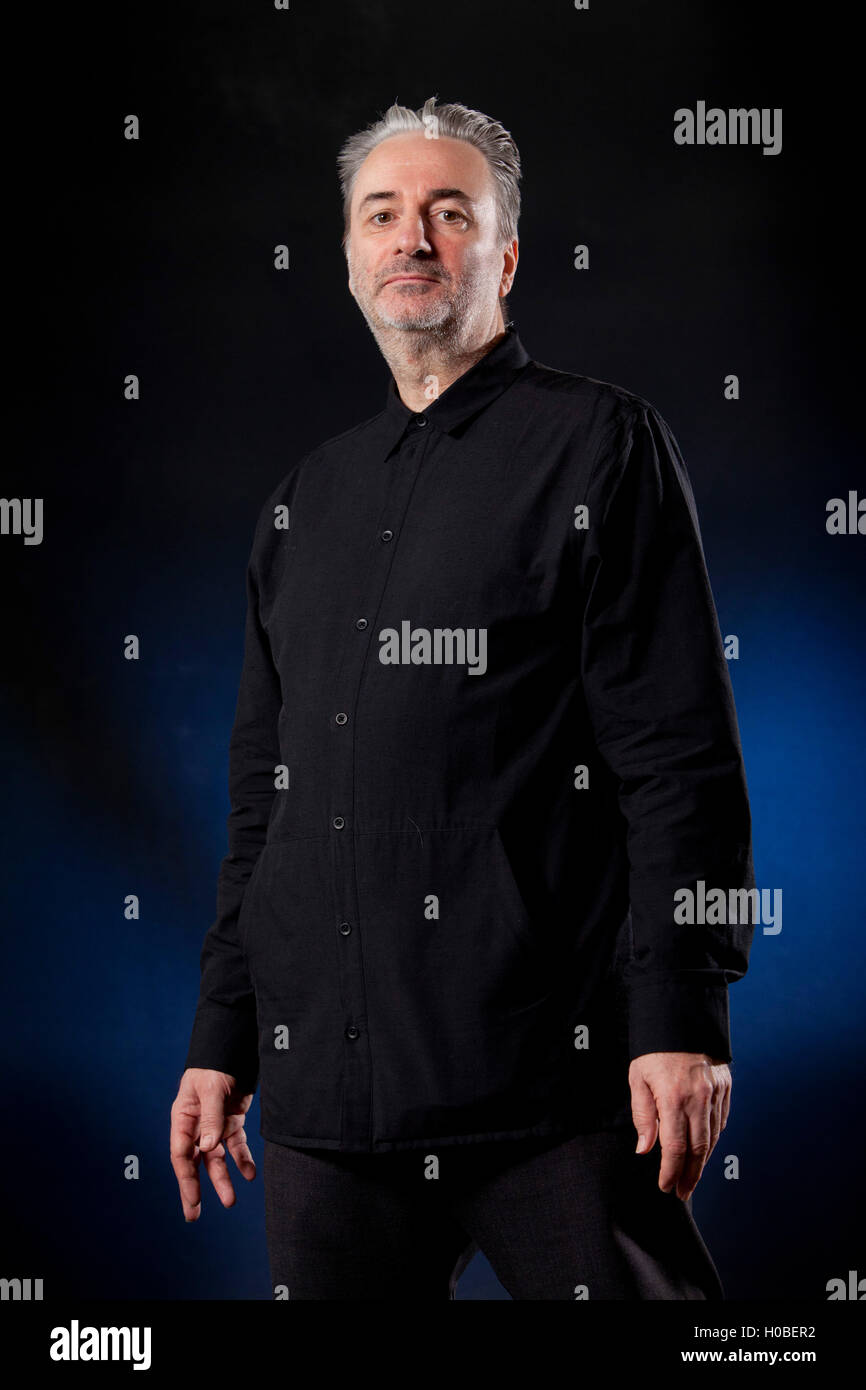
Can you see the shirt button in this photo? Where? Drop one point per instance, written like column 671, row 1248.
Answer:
column 345, row 928
column 361, row 624
column 386, row 536
column 338, row 822
column 341, row 718
column 420, row 421
column 352, row 1033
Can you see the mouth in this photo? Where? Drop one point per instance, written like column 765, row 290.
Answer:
column 408, row 279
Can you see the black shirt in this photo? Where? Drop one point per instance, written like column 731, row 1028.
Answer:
column 485, row 731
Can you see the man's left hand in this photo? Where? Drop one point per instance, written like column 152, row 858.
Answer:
column 684, row 1099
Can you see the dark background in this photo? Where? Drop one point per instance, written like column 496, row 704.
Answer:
column 156, row 257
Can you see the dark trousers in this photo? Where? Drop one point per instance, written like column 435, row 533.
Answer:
column 573, row 1219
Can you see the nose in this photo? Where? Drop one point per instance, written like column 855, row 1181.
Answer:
column 412, row 236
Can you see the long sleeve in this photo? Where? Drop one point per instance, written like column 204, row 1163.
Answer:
column 662, row 709
column 224, row 1034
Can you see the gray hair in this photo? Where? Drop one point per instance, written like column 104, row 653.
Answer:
column 459, row 122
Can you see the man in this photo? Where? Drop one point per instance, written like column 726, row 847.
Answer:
column 485, row 734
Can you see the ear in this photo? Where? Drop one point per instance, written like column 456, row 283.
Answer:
column 351, row 285
column 509, row 267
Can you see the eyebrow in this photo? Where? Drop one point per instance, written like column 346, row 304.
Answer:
column 432, row 195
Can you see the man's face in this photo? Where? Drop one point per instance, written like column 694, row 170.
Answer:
column 423, row 251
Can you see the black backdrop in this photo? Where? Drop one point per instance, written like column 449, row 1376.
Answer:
column 155, row 257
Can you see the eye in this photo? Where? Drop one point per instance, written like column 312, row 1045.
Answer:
column 379, row 214
column 452, row 212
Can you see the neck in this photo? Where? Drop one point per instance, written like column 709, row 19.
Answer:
column 425, row 364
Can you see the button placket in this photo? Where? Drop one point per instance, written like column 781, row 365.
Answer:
column 403, row 466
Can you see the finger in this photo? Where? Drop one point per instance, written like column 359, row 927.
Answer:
column 644, row 1114
column 239, row 1149
column 217, row 1171
column 716, row 1116
column 184, row 1161
column 726, row 1100
column 674, row 1140
column 698, row 1109
column 213, row 1118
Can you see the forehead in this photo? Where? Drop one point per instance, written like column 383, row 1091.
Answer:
column 409, row 161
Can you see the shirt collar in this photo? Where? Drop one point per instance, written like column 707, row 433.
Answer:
column 466, row 396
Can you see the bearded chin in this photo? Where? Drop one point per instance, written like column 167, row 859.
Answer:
column 419, row 317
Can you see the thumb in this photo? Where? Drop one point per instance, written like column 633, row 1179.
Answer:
column 644, row 1114
column 212, row 1122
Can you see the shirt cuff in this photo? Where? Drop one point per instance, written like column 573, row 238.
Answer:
column 226, row 1039
column 673, row 1014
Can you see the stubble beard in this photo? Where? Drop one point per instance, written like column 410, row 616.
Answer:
column 440, row 324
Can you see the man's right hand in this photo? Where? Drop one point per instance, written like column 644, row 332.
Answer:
column 206, row 1119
